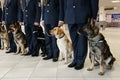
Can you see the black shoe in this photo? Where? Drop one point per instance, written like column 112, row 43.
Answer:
column 79, row 66
column 47, row 58
column 55, row 59
column 43, row 54
column 34, row 55
column 73, row 64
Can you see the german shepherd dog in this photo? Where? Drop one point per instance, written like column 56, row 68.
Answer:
column 4, row 37
column 19, row 38
column 99, row 49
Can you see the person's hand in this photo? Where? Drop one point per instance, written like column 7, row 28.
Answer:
column 60, row 23
column 36, row 23
column 21, row 23
column 42, row 23
column 0, row 23
column 3, row 22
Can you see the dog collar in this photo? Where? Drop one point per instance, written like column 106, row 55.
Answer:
column 62, row 36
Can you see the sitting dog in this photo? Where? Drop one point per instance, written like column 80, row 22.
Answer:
column 19, row 38
column 99, row 49
column 40, row 42
column 4, row 37
column 63, row 43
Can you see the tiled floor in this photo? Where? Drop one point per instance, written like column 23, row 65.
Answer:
column 16, row 67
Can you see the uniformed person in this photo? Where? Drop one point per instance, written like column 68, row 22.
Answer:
column 31, row 18
column 0, row 13
column 77, row 13
column 10, row 14
column 52, row 16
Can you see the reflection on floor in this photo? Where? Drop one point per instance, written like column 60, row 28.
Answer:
column 16, row 67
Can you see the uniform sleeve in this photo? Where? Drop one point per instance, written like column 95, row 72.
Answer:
column 61, row 10
column 20, row 13
column 94, row 8
column 38, row 10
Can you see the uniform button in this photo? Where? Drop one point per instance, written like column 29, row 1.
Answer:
column 26, row 15
column 26, row 10
column 48, row 11
column 73, row 6
column 6, row 8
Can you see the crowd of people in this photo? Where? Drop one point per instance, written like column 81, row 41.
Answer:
column 50, row 13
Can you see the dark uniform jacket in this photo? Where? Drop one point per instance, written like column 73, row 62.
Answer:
column 53, row 11
column 11, row 11
column 77, row 11
column 31, row 11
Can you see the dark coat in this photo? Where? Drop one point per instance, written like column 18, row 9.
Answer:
column 31, row 12
column 78, row 11
column 11, row 11
column 53, row 11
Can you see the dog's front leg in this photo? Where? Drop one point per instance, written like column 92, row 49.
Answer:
column 66, row 57
column 60, row 56
column 92, row 62
column 2, row 44
column 8, row 43
column 22, row 49
column 101, row 66
column 18, row 48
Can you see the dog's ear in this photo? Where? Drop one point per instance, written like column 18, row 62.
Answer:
column 59, row 31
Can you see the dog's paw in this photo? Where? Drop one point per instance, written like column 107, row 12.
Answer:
column 101, row 73
column 60, row 59
column 89, row 69
column 109, row 67
column 16, row 53
column 1, row 48
column 66, row 63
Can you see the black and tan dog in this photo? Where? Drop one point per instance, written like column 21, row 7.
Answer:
column 4, row 37
column 99, row 49
column 19, row 38
column 40, row 42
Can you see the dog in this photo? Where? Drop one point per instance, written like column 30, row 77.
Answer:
column 99, row 49
column 19, row 38
column 4, row 37
column 63, row 43
column 40, row 42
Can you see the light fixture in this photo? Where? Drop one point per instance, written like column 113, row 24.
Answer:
column 115, row 1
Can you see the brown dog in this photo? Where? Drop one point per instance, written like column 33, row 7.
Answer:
column 99, row 49
column 63, row 43
column 19, row 38
column 4, row 37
